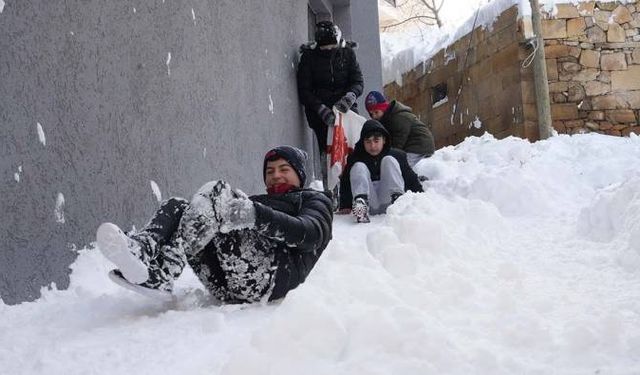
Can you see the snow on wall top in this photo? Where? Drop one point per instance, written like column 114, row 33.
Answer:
column 403, row 51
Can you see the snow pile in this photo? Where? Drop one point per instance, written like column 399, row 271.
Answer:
column 519, row 258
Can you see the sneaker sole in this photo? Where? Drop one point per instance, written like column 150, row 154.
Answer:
column 156, row 294
column 112, row 243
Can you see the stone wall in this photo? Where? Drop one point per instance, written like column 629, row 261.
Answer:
column 491, row 99
column 593, row 59
column 593, row 65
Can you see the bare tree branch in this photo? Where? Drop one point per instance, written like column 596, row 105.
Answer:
column 408, row 20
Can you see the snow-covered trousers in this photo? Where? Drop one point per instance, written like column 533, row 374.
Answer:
column 236, row 267
column 379, row 192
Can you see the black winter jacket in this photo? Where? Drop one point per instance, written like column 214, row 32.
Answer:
column 300, row 222
column 325, row 76
column 411, row 181
column 407, row 132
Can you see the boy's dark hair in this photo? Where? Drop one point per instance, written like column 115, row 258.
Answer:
column 375, row 134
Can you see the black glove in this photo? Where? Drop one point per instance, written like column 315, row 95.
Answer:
column 345, row 103
column 326, row 115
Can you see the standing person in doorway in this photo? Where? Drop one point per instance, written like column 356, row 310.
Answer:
column 376, row 174
column 328, row 76
column 406, row 131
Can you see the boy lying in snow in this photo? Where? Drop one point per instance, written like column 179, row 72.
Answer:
column 375, row 175
column 243, row 249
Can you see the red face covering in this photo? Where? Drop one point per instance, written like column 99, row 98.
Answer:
column 280, row 188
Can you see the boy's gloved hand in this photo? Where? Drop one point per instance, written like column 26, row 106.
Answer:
column 326, row 115
column 345, row 103
column 240, row 213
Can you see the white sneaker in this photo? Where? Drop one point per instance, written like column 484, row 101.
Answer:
column 162, row 295
column 122, row 251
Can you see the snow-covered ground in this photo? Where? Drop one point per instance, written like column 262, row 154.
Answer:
column 518, row 259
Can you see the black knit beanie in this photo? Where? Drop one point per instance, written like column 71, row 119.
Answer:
column 296, row 157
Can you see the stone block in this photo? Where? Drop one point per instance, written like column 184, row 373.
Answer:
column 595, row 88
column 568, row 59
column 587, row 74
column 606, row 125
column 625, row 45
column 613, row 132
column 595, row 34
column 626, row 79
column 555, row 51
column 558, row 86
column 566, row 11
column 601, row 16
column 558, row 97
column 596, row 115
column 552, row 69
column 571, row 67
column 616, row 34
column 589, row 21
column 621, row 15
column 621, row 100
column 554, row 29
column 576, row 27
column 574, row 124
column 620, row 116
column 590, row 59
column 610, row 101
column 604, row 76
column 606, row 5
column 592, row 125
column 584, row 106
column 559, row 126
column 567, row 111
column 613, row 61
column 631, row 98
column 575, row 93
column 505, row 58
column 604, row 26
column 635, row 56
column 586, row 8
column 636, row 20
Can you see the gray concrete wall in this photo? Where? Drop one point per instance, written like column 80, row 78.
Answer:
column 365, row 30
column 116, row 113
column 358, row 19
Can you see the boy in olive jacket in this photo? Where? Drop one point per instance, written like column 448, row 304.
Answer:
column 407, row 132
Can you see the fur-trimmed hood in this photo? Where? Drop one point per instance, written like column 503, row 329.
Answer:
column 311, row 45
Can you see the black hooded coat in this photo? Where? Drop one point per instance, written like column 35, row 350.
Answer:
column 411, row 181
column 324, row 77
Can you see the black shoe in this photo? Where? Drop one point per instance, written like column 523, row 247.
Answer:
column 394, row 197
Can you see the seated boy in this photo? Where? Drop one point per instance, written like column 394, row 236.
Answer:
column 243, row 249
column 375, row 175
column 407, row 132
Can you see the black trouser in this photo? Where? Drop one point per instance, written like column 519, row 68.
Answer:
column 236, row 267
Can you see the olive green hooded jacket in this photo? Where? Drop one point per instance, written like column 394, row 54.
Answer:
column 407, row 132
